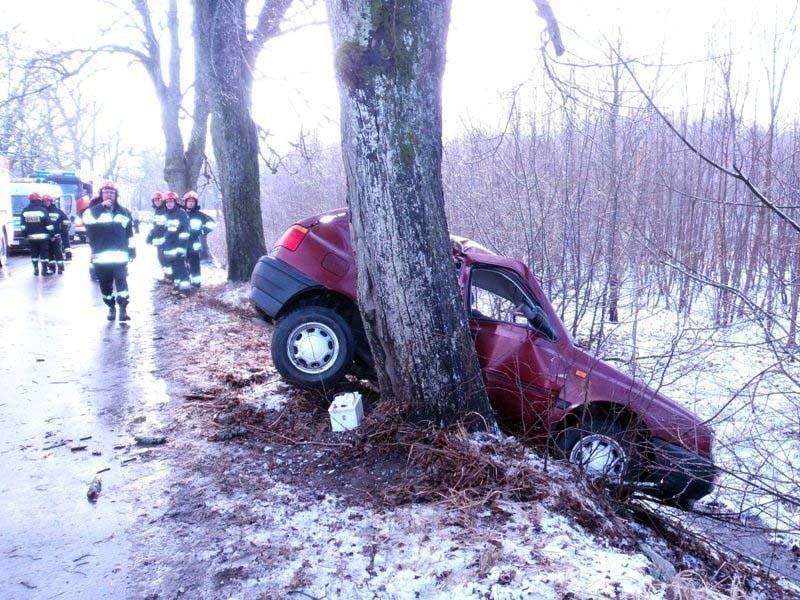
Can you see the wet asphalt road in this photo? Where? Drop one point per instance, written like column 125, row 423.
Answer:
column 69, row 378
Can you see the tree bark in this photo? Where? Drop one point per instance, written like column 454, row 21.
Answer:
column 390, row 60
column 223, row 46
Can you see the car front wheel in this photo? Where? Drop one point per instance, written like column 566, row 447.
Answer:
column 313, row 347
column 602, row 449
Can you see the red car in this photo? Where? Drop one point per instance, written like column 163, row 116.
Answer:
column 538, row 381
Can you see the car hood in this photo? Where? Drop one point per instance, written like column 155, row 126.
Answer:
column 590, row 379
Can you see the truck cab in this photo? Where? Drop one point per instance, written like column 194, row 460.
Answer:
column 6, row 214
column 21, row 188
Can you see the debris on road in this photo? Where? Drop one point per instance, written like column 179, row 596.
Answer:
column 78, row 448
column 94, row 489
column 150, row 440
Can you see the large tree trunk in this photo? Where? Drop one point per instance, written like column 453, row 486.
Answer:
column 389, row 62
column 224, row 47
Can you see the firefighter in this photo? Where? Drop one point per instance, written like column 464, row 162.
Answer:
column 176, row 239
column 157, row 231
column 58, row 218
column 200, row 224
column 109, row 227
column 66, row 243
column 35, row 225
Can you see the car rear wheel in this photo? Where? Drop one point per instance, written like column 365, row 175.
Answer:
column 313, row 347
column 603, row 449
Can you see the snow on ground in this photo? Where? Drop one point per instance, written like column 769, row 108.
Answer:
column 747, row 389
column 235, row 528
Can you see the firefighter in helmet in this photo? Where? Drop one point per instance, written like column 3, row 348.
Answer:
column 157, row 231
column 176, row 240
column 35, row 225
column 55, row 249
column 200, row 225
column 109, row 227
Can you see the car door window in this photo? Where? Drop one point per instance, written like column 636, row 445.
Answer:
column 498, row 296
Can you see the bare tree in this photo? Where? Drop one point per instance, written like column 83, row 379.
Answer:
column 227, row 53
column 182, row 161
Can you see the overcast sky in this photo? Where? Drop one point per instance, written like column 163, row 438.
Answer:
column 493, row 47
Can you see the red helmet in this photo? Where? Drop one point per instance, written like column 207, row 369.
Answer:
column 108, row 185
column 157, row 196
column 47, row 198
column 34, row 196
column 170, row 196
column 190, row 196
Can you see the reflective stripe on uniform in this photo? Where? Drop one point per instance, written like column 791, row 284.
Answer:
column 175, row 252
column 197, row 246
column 211, row 225
column 195, row 224
column 123, row 294
column 194, row 278
column 38, row 236
column 110, row 257
column 158, row 241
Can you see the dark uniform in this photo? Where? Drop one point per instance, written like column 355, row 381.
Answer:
column 200, row 224
column 35, row 225
column 109, row 227
column 58, row 217
column 176, row 239
column 157, row 232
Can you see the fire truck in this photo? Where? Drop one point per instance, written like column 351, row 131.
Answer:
column 76, row 192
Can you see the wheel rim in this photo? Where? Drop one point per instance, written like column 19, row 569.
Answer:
column 599, row 456
column 312, row 348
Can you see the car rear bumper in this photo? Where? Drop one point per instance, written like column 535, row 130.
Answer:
column 274, row 283
column 679, row 475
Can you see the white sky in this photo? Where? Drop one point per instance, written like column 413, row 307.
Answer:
column 490, row 51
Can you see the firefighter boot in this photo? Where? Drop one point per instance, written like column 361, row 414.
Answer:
column 112, row 308
column 123, row 309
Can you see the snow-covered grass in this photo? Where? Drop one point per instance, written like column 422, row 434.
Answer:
column 330, row 548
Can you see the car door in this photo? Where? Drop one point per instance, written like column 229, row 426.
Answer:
column 515, row 343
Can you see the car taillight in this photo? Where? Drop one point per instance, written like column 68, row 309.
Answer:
column 292, row 237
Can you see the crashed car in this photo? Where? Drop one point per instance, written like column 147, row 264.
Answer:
column 539, row 382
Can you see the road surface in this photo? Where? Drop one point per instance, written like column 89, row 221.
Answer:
column 74, row 389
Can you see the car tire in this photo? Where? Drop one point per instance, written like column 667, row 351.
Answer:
column 603, row 449
column 3, row 250
column 313, row 347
